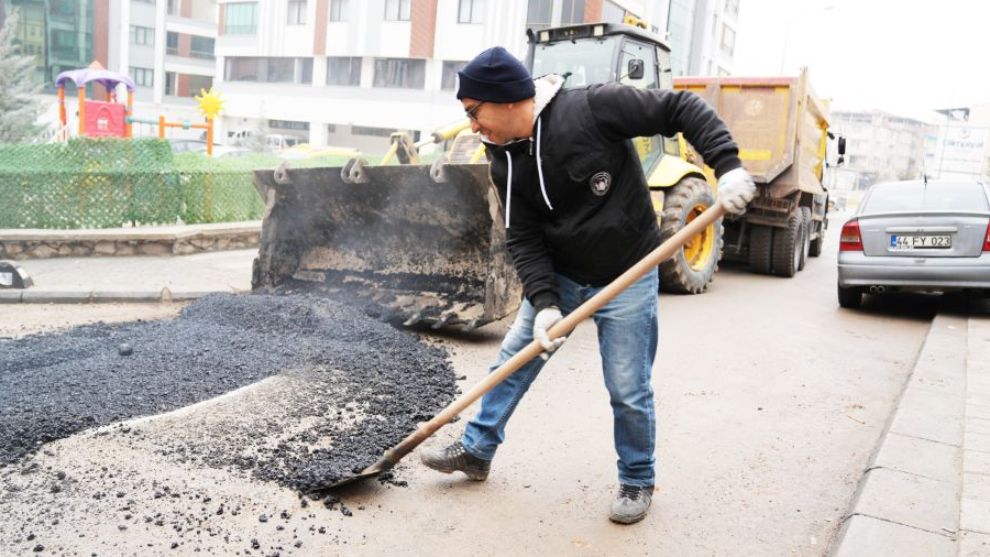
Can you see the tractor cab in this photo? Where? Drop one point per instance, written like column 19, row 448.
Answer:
column 593, row 53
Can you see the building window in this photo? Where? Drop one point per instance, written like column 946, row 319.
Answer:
column 372, row 132
column 64, row 43
column 269, row 70
column 450, row 69
column 538, row 14
column 280, row 70
column 144, row 77
column 170, row 83
column 471, row 11
column 338, row 10
column 728, row 44
column 65, row 8
column 304, row 71
column 241, row 18
column 400, row 73
column 172, row 8
column 572, row 11
column 242, row 68
column 142, row 35
column 196, row 84
column 288, row 125
column 343, row 71
column 201, row 47
column 397, row 10
column 732, row 7
column 171, row 43
column 297, row 12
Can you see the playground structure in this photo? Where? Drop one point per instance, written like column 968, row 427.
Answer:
column 109, row 118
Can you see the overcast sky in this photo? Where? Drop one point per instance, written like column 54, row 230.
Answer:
column 904, row 56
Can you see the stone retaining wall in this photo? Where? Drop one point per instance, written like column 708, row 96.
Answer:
column 176, row 240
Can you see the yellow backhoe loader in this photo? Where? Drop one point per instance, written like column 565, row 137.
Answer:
column 427, row 240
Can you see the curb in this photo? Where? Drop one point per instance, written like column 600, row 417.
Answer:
column 28, row 244
column 908, row 499
column 103, row 297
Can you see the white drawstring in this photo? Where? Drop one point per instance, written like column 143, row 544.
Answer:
column 539, row 171
column 508, row 188
column 539, row 166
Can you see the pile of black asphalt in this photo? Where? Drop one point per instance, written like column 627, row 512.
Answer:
column 379, row 381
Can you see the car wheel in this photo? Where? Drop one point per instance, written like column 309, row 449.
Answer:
column 850, row 297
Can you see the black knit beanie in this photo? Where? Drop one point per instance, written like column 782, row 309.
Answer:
column 495, row 76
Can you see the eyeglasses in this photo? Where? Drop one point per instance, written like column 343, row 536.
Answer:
column 472, row 112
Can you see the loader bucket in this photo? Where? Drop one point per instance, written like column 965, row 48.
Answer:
column 423, row 241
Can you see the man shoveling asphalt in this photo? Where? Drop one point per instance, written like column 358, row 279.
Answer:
column 578, row 213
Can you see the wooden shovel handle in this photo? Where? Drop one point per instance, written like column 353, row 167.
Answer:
column 563, row 327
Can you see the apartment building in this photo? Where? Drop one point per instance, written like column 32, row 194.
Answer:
column 879, row 146
column 348, row 73
column 702, row 36
column 166, row 46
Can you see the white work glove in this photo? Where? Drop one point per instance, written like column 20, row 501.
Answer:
column 546, row 318
column 735, row 190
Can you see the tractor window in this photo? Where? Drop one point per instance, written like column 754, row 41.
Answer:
column 648, row 149
column 632, row 50
column 583, row 62
column 666, row 70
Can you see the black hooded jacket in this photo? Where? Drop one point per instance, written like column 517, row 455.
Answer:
column 602, row 220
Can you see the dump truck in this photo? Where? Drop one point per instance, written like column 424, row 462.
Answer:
column 427, row 241
column 781, row 128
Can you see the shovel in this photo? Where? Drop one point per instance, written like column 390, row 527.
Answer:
column 534, row 349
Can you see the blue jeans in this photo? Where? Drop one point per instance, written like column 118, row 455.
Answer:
column 627, row 341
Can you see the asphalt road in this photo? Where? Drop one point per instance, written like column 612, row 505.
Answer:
column 770, row 400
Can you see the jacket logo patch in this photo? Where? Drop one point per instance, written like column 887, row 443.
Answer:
column 600, row 183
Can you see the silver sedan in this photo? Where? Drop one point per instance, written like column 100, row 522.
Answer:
column 916, row 236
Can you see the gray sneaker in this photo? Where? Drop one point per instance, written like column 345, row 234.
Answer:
column 631, row 504
column 453, row 458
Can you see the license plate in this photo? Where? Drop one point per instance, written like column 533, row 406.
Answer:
column 921, row 242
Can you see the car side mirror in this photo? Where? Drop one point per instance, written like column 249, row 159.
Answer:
column 636, row 69
column 840, row 161
column 842, row 146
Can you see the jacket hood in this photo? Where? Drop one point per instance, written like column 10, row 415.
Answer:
column 547, row 88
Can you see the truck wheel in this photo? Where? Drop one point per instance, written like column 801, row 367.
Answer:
column 692, row 268
column 760, row 248
column 806, row 226
column 787, row 247
column 815, row 247
column 850, row 297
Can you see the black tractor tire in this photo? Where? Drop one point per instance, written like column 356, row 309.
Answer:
column 850, row 297
column 806, row 226
column 761, row 248
column 682, row 202
column 787, row 247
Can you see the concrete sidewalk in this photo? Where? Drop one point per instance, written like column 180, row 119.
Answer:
column 927, row 490
column 133, row 279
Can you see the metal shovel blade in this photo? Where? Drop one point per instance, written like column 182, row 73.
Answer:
column 383, row 464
